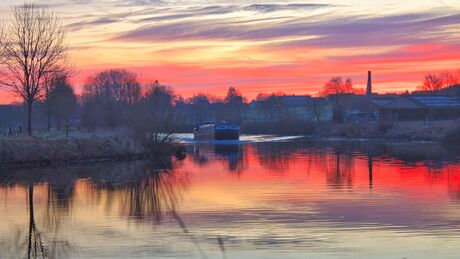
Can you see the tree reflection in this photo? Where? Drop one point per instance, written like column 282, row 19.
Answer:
column 35, row 248
column 156, row 192
column 142, row 190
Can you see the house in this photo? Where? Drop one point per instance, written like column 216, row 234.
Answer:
column 290, row 107
column 358, row 107
column 421, row 107
column 449, row 91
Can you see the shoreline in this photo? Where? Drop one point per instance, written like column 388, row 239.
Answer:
column 25, row 151
column 84, row 161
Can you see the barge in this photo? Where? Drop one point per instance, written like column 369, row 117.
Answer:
column 211, row 130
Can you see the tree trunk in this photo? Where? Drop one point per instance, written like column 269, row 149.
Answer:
column 29, row 118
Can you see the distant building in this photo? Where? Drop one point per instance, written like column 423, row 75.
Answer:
column 288, row 107
column 420, row 107
column 450, row 91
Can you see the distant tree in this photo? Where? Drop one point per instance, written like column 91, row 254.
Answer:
column 200, row 98
column 448, row 79
column 233, row 96
column 158, row 117
column 432, row 82
column 34, row 47
column 109, row 97
column 62, row 101
column 336, row 85
column 50, row 82
column 201, row 106
column 234, row 105
column 270, row 104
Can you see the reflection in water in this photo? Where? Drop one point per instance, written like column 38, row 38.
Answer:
column 35, row 247
column 311, row 198
column 139, row 189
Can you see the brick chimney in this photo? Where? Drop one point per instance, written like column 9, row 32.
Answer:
column 369, row 83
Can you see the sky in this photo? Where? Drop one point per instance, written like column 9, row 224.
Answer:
column 260, row 46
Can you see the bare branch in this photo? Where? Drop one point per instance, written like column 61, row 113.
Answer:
column 34, row 48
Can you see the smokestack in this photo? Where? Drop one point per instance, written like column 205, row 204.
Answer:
column 369, row 83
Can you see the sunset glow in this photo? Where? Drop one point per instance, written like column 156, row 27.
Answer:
column 270, row 46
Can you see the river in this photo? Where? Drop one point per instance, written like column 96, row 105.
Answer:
column 262, row 197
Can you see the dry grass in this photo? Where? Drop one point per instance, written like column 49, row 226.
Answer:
column 405, row 131
column 25, row 150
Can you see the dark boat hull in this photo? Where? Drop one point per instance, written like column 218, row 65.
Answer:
column 213, row 134
column 227, row 135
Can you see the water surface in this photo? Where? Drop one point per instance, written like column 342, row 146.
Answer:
column 263, row 197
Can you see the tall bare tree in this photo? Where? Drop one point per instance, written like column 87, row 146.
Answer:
column 35, row 47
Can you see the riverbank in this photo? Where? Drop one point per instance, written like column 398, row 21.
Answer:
column 438, row 131
column 405, row 131
column 79, row 147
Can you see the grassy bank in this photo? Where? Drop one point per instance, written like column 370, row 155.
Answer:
column 401, row 131
column 445, row 131
column 79, row 147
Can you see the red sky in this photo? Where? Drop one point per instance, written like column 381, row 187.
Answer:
column 269, row 46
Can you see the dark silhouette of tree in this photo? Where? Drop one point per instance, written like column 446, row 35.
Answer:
column 62, row 102
column 234, row 105
column 109, row 97
column 158, row 117
column 271, row 104
column 51, row 81
column 201, row 105
column 335, row 89
column 233, row 96
column 35, row 47
column 336, row 85
column 432, row 82
column 435, row 82
column 448, row 79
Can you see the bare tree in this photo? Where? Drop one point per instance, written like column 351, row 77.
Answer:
column 336, row 85
column 335, row 89
column 448, row 79
column 109, row 97
column 432, row 82
column 158, row 117
column 35, row 47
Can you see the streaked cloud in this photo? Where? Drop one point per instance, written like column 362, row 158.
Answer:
column 292, row 46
